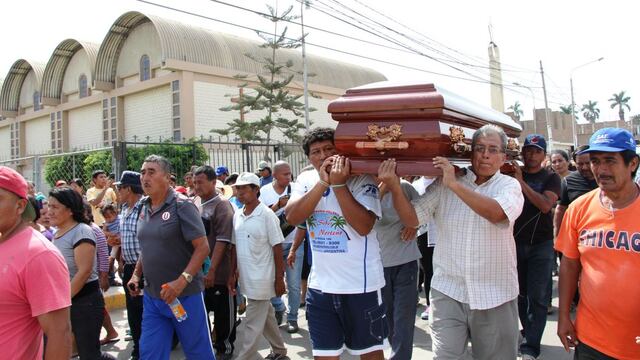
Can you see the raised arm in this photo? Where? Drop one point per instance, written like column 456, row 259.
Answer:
column 404, row 208
column 358, row 217
column 298, row 210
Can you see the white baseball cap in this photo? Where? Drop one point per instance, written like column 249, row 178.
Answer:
column 247, row 178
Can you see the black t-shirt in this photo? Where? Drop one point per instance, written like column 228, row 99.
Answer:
column 574, row 186
column 533, row 226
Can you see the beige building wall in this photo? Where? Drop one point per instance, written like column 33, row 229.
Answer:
column 37, row 136
column 29, row 86
column 148, row 113
column 78, row 65
column 85, row 127
column 5, row 141
column 143, row 40
column 210, row 97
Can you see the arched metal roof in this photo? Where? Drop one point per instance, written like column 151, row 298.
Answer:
column 10, row 94
column 57, row 66
column 187, row 43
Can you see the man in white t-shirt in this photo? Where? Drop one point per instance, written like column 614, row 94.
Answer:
column 344, row 302
column 258, row 241
column 276, row 195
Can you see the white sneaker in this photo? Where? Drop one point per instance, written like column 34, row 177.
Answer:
column 527, row 357
column 425, row 314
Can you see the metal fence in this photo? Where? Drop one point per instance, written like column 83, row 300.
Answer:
column 44, row 170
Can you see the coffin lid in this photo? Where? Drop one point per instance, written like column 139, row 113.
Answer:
column 434, row 97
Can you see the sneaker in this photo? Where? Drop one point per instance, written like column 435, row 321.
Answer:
column 274, row 356
column 279, row 317
column 292, row 327
column 425, row 314
column 527, row 357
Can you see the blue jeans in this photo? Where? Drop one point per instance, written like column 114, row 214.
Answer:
column 293, row 276
column 535, row 262
column 400, row 294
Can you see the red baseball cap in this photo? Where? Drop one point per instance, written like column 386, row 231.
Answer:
column 12, row 181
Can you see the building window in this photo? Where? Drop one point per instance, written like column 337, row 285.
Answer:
column 175, row 103
column 36, row 101
column 15, row 140
column 145, row 68
column 109, row 121
column 83, row 90
column 56, row 131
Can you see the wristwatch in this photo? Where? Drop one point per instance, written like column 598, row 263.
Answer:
column 187, row 277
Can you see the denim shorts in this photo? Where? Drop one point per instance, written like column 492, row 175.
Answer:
column 355, row 322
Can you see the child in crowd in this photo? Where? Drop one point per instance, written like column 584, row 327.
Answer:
column 111, row 229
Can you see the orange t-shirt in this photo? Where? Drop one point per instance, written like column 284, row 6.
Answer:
column 607, row 243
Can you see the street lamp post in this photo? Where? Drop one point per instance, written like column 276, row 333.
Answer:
column 573, row 103
column 533, row 96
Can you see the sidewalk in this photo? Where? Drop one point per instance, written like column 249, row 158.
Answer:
column 299, row 346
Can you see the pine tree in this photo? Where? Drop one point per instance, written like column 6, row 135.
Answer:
column 270, row 93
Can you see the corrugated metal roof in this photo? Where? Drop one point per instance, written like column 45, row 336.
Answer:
column 187, row 43
column 57, row 65
column 10, row 94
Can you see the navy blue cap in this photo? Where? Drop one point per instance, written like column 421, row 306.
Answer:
column 536, row 140
column 611, row 140
column 221, row 170
column 131, row 178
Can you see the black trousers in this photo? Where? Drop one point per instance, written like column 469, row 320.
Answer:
column 224, row 307
column 134, row 309
column 87, row 314
column 586, row 352
column 426, row 263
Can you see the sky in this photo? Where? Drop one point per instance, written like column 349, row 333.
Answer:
column 562, row 34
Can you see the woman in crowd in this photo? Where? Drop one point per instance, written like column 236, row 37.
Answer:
column 77, row 243
column 560, row 163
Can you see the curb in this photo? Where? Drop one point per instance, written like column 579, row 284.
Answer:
column 114, row 298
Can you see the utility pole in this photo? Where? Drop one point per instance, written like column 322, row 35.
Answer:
column 304, row 68
column 546, row 107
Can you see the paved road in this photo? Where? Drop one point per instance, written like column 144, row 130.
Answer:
column 300, row 348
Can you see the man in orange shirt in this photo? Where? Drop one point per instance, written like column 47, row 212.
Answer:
column 600, row 241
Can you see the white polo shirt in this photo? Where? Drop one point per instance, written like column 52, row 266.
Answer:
column 344, row 262
column 254, row 237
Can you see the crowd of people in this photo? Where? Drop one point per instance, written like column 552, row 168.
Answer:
column 353, row 250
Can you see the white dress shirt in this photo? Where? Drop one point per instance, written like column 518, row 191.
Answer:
column 474, row 261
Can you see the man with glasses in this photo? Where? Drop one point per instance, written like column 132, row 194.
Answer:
column 475, row 280
column 130, row 193
column 533, row 232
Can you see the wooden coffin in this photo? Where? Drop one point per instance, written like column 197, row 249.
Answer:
column 412, row 123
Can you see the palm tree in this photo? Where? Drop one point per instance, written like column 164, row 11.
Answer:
column 590, row 111
column 621, row 101
column 338, row 222
column 311, row 223
column 517, row 110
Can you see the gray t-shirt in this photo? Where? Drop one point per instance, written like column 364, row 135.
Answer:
column 165, row 242
column 66, row 243
column 395, row 251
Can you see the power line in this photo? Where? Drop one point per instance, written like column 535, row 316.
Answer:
column 507, row 87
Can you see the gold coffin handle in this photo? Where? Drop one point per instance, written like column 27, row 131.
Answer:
column 382, row 145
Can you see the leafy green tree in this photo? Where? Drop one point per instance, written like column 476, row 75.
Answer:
column 517, row 110
column 590, row 111
column 621, row 101
column 567, row 110
column 283, row 110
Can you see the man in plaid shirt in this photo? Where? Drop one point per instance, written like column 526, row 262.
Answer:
column 129, row 193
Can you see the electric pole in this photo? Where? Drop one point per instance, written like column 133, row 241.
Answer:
column 304, row 69
column 546, row 107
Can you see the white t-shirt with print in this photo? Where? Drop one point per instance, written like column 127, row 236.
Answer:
column 343, row 261
column 269, row 196
column 254, row 237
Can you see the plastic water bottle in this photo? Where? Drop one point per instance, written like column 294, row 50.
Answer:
column 176, row 308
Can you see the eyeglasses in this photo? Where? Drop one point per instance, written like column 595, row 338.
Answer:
column 493, row 150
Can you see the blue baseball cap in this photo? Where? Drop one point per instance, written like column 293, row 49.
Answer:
column 611, row 140
column 221, row 170
column 536, row 140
